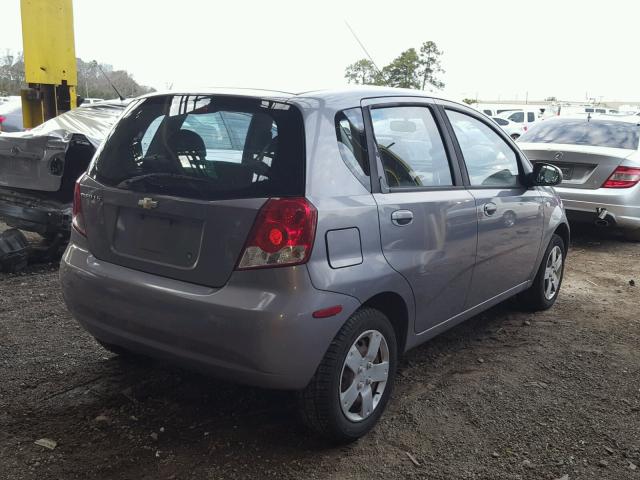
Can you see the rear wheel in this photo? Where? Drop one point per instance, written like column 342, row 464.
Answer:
column 352, row 385
column 542, row 294
column 515, row 136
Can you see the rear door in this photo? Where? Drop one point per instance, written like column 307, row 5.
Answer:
column 510, row 215
column 178, row 184
column 427, row 218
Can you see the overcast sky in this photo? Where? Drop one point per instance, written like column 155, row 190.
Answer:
column 491, row 48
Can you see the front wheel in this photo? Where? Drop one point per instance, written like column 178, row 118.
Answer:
column 352, row 385
column 542, row 294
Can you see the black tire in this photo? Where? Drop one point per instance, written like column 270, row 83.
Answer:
column 534, row 298
column 515, row 137
column 319, row 402
column 632, row 235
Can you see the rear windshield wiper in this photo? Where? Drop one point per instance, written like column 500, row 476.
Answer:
column 160, row 176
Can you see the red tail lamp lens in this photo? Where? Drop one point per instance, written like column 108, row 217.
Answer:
column 282, row 234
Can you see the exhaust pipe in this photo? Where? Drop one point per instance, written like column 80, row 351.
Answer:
column 604, row 219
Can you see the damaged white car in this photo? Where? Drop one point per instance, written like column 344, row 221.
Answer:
column 38, row 171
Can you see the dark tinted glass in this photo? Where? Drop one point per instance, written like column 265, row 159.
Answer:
column 592, row 132
column 501, row 121
column 206, row 147
column 352, row 143
column 531, row 117
column 517, row 117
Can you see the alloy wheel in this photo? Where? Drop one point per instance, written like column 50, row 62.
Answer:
column 553, row 273
column 364, row 375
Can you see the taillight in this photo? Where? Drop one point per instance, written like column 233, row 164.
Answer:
column 623, row 177
column 2, row 119
column 282, row 234
column 77, row 216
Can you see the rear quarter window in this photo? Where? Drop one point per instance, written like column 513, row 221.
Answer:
column 352, row 144
column 207, row 147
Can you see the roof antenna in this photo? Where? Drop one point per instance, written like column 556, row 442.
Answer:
column 365, row 51
column 108, row 80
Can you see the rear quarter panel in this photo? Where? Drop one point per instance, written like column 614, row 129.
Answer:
column 343, row 202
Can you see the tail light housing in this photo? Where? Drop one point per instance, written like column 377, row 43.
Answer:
column 77, row 216
column 2, row 119
column 623, row 177
column 282, row 234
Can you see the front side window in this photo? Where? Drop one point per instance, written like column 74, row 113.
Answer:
column 206, row 147
column 352, row 143
column 411, row 148
column 489, row 160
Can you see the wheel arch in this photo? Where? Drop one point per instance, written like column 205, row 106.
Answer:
column 394, row 307
column 562, row 230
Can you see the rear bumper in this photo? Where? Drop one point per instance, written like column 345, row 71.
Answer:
column 622, row 205
column 256, row 330
column 34, row 214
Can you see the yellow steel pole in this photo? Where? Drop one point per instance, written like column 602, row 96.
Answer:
column 49, row 59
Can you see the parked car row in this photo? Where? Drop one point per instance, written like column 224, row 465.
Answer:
column 306, row 241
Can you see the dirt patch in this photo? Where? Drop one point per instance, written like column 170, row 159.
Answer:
column 506, row 395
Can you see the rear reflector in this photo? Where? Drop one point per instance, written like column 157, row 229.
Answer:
column 77, row 216
column 282, row 234
column 623, row 177
column 327, row 312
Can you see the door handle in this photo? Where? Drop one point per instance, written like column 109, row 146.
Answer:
column 490, row 208
column 402, row 217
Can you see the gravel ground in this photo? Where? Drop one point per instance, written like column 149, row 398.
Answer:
column 507, row 395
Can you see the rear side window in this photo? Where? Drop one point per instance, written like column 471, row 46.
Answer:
column 489, row 160
column 517, row 117
column 411, row 148
column 206, row 147
column 352, row 143
column 531, row 117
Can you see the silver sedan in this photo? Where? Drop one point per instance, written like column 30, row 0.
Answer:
column 600, row 163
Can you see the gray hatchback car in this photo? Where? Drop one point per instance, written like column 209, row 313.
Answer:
column 305, row 241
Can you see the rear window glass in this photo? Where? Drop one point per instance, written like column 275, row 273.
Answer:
column 599, row 133
column 206, row 147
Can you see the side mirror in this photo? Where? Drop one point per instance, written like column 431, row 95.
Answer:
column 545, row 175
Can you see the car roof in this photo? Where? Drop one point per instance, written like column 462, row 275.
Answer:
column 598, row 116
column 330, row 98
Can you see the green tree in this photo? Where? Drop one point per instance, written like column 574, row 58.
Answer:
column 551, row 99
column 91, row 83
column 468, row 101
column 403, row 72
column 429, row 65
column 11, row 74
column 363, row 72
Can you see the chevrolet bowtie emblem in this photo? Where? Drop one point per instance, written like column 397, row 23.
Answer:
column 147, row 203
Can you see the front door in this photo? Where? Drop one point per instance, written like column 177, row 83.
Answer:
column 428, row 223
column 510, row 215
